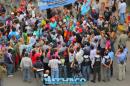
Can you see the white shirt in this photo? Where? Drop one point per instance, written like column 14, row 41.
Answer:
column 26, row 62
column 122, row 7
column 100, row 22
column 92, row 54
column 33, row 13
column 18, row 27
column 79, row 56
column 21, row 17
column 32, row 40
column 54, row 63
column 71, row 57
column 96, row 6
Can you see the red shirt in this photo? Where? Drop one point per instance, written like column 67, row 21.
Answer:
column 34, row 57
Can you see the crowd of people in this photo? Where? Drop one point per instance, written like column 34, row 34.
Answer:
column 65, row 43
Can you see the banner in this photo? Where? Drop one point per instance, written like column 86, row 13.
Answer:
column 46, row 4
column 85, row 7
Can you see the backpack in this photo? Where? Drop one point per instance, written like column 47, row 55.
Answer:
column 86, row 51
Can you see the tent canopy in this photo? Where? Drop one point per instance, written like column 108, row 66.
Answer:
column 46, row 4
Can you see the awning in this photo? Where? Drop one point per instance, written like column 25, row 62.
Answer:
column 46, row 4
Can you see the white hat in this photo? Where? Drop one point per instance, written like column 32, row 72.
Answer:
column 12, row 13
column 86, row 56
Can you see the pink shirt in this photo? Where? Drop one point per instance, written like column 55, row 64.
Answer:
column 108, row 44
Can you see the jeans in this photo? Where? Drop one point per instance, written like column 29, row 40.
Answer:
column 106, row 74
column 63, row 71
column 10, row 68
column 39, row 75
column 96, row 71
column 55, row 73
column 86, row 72
column 26, row 74
column 122, row 18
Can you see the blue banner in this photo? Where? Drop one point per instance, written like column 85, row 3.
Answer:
column 85, row 7
column 46, row 4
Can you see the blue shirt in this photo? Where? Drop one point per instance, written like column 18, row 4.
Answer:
column 125, row 51
column 121, row 57
column 14, row 33
column 111, row 55
column 53, row 25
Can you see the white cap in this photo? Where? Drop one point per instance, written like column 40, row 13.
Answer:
column 85, row 56
column 12, row 13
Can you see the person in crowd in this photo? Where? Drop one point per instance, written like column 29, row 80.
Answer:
column 96, row 66
column 102, row 43
column 107, row 14
column 106, row 63
column 71, row 53
column 112, row 56
column 2, row 73
column 53, row 64
column 121, row 58
column 76, row 69
column 79, row 55
column 8, row 59
column 38, row 68
column 122, row 11
column 46, row 76
column 123, row 38
column 26, row 67
column 86, row 64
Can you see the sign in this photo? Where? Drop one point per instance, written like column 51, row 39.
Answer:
column 62, row 81
column 46, row 4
